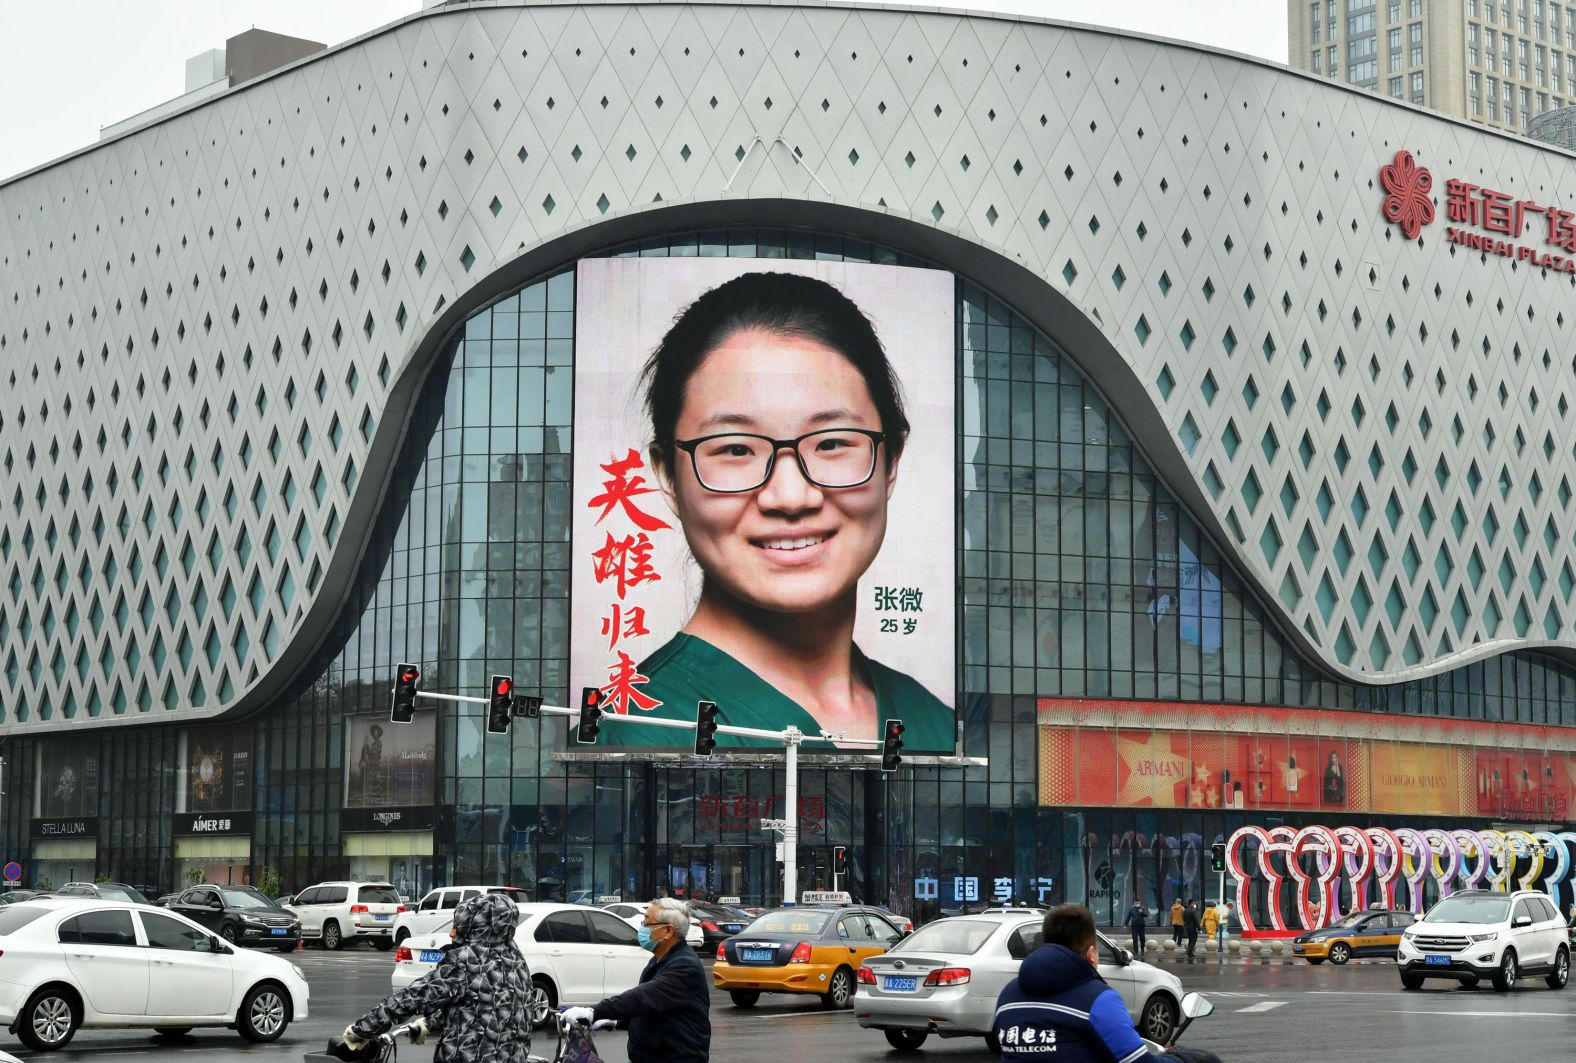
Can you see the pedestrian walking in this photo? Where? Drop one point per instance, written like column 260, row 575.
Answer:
column 1223, row 925
column 1190, row 926
column 1137, row 925
column 1210, row 921
column 667, row 1014
column 1176, row 921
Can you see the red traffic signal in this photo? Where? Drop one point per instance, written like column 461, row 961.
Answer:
column 892, row 745
column 500, row 704
column 590, row 715
column 407, row 677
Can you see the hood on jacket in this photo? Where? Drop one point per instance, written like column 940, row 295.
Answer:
column 1053, row 969
column 486, row 920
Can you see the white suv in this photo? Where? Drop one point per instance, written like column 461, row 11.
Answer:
column 1499, row 936
column 436, row 910
column 337, row 912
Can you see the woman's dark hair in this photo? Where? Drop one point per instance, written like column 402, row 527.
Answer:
column 788, row 304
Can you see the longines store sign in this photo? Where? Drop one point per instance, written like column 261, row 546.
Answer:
column 1482, row 219
column 357, row 820
column 68, row 827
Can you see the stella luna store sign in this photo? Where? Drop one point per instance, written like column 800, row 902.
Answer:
column 1479, row 219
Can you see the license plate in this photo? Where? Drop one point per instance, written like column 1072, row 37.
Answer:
column 899, row 985
column 383, row 918
column 1437, row 961
column 279, row 931
column 732, row 928
column 431, row 955
column 1296, row 948
column 757, row 955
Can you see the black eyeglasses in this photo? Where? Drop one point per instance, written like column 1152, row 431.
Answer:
column 735, row 462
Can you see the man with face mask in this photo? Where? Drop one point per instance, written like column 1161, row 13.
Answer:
column 667, row 1013
column 477, row 1000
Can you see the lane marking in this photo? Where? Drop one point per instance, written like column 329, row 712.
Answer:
column 1263, row 1005
column 1483, row 1014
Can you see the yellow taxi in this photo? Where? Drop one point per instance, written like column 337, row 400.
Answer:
column 813, row 949
column 1371, row 933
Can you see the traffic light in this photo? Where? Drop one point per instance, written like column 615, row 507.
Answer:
column 840, row 860
column 705, row 728
column 590, row 713
column 527, row 705
column 407, row 677
column 892, row 746
column 1217, row 857
column 500, row 704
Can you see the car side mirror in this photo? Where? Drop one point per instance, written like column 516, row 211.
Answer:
column 1123, row 957
column 1196, row 1006
column 1522, row 920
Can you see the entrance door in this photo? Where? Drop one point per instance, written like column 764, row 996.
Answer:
column 748, row 872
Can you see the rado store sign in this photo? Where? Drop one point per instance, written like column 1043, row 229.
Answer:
column 64, row 828
column 356, row 820
column 198, row 823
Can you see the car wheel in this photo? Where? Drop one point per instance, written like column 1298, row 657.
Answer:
column 1315, row 961
column 1411, row 981
column 400, row 935
column 172, row 1031
column 1505, row 977
column 332, row 939
column 228, row 933
column 544, row 999
column 1340, row 952
column 264, row 1014
column 286, row 948
column 48, row 1020
column 841, row 990
column 906, row 1040
column 1561, row 974
column 745, row 998
column 382, row 944
column 1159, row 1019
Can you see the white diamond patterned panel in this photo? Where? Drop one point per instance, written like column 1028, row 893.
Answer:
column 201, row 322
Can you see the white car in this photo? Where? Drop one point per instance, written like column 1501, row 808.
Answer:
column 1478, row 935
column 577, row 955
column 339, row 912
column 436, row 910
column 111, row 964
column 635, row 916
column 944, row 979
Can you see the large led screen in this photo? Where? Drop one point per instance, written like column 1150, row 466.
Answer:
column 764, row 494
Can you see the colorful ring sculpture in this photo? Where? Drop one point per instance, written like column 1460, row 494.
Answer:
column 1376, row 860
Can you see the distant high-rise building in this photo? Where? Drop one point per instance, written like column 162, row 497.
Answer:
column 1498, row 62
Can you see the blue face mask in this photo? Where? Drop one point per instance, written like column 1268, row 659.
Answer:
column 647, row 942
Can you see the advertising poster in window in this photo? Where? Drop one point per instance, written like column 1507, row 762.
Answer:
column 68, row 780
column 390, row 764
column 218, row 769
column 1156, row 755
column 764, row 487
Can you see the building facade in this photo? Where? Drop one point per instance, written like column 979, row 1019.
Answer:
column 1497, row 62
column 1261, row 415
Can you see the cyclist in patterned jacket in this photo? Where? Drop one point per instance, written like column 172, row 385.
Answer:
column 477, row 1000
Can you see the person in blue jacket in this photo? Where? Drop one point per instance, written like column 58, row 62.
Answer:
column 1060, row 1009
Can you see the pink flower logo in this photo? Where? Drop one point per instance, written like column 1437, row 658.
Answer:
column 1406, row 201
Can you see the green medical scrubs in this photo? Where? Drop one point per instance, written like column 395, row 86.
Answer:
column 688, row 670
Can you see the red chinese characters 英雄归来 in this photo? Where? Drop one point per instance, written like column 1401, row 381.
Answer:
column 625, row 562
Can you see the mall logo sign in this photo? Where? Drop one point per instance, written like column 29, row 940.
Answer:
column 386, row 819
column 1484, row 219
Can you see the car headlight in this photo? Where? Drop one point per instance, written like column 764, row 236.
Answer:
column 1483, row 937
column 298, row 972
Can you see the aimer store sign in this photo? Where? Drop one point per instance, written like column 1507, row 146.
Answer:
column 1481, row 219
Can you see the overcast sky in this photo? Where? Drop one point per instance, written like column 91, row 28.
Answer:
column 68, row 67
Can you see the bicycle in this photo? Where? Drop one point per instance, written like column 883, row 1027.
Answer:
column 384, row 1048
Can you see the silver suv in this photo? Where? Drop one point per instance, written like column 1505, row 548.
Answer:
column 1479, row 935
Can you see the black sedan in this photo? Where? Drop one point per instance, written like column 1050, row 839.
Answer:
column 717, row 922
column 241, row 915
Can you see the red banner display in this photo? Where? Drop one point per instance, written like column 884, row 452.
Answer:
column 1134, row 754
